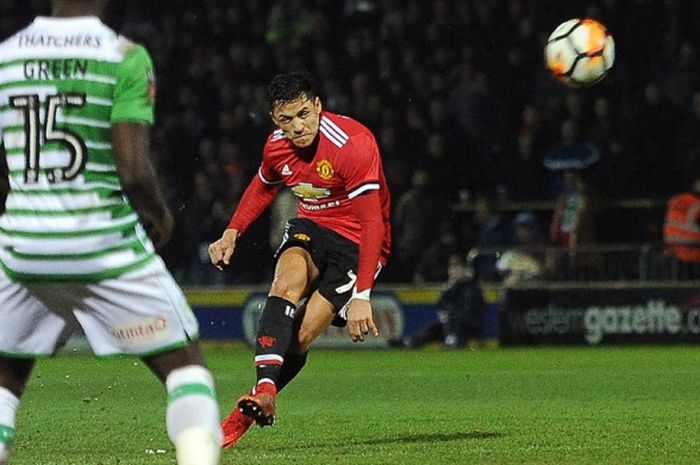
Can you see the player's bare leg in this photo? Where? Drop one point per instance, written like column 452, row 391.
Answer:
column 295, row 273
column 237, row 424
column 318, row 316
column 192, row 417
column 311, row 320
column 14, row 374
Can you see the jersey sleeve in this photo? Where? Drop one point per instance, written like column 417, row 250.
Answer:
column 368, row 210
column 134, row 93
column 258, row 195
column 255, row 200
column 267, row 172
column 361, row 168
column 361, row 175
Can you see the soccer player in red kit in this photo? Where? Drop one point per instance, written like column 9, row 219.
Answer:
column 329, row 256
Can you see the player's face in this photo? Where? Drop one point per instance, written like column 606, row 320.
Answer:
column 299, row 119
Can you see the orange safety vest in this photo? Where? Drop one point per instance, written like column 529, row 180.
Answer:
column 682, row 229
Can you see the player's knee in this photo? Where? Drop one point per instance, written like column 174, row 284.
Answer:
column 164, row 363
column 293, row 273
column 277, row 319
column 304, row 341
column 287, row 289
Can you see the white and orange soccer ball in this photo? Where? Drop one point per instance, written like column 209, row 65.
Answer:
column 580, row 52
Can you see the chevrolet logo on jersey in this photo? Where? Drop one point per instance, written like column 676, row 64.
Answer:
column 310, row 193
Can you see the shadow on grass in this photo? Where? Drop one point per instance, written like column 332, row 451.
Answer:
column 431, row 438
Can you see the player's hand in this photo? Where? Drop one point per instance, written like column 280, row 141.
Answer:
column 220, row 252
column 360, row 322
column 159, row 228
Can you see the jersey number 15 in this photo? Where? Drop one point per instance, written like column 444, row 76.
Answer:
column 30, row 106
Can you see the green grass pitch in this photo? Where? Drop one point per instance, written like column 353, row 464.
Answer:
column 608, row 405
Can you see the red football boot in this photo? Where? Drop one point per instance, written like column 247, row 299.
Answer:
column 234, row 426
column 260, row 406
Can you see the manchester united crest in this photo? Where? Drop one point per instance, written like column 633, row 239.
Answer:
column 324, row 169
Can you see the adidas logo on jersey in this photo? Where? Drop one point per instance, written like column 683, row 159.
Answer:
column 286, row 171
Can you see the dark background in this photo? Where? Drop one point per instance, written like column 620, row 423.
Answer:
column 456, row 89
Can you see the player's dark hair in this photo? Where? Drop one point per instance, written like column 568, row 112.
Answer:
column 290, row 86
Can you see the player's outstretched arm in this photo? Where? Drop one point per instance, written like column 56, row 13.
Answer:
column 220, row 252
column 360, row 320
column 255, row 199
column 367, row 208
column 131, row 146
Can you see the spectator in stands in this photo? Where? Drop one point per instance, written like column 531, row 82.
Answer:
column 526, row 174
column 289, row 22
column 525, row 260
column 687, row 142
column 432, row 264
column 283, row 209
column 650, row 137
column 573, row 224
column 437, row 159
column 398, row 172
column 573, row 151
column 460, row 310
column 416, row 218
column 682, row 231
column 574, row 109
column 573, row 217
column 604, row 130
column 493, row 234
column 684, row 77
column 478, row 61
column 199, row 227
column 612, row 171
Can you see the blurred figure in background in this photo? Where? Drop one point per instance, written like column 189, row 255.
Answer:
column 573, row 225
column 682, row 231
column 572, row 153
column 432, row 265
column 572, row 219
column 283, row 209
column 651, row 135
column 686, row 143
column 416, row 219
column 493, row 234
column 460, row 310
column 525, row 260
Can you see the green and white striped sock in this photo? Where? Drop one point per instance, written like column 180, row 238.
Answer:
column 193, row 416
column 8, row 412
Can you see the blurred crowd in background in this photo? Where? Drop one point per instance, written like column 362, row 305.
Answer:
column 455, row 91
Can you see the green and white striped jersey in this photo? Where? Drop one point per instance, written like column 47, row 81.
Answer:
column 63, row 82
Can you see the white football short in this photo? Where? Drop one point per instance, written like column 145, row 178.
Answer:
column 139, row 313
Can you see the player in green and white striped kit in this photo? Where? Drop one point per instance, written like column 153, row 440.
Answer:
column 76, row 103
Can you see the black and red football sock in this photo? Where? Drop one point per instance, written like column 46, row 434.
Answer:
column 293, row 363
column 273, row 339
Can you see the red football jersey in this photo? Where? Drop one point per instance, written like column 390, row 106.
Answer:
column 346, row 164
